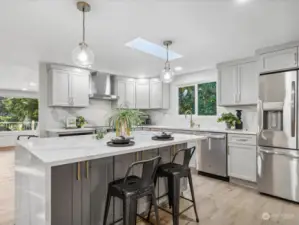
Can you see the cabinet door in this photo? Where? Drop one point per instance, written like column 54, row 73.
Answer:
column 166, row 96
column 156, row 99
column 279, row 60
column 227, row 85
column 142, row 94
column 80, row 90
column 247, row 84
column 242, row 162
column 62, row 178
column 130, row 94
column 161, row 188
column 101, row 173
column 60, row 88
column 121, row 92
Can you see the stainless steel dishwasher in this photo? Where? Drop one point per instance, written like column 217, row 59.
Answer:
column 213, row 158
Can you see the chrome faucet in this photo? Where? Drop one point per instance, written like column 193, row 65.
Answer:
column 189, row 112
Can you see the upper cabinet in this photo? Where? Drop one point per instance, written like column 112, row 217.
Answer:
column 159, row 94
column 68, row 88
column 126, row 93
column 279, row 60
column 238, row 83
column 142, row 93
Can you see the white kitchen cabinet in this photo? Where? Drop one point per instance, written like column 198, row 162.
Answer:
column 247, row 83
column 156, row 91
column 68, row 88
column 130, row 94
column 79, row 89
column 121, row 93
column 279, row 60
column 142, row 94
column 238, row 83
column 126, row 93
column 227, row 85
column 60, row 88
column 242, row 162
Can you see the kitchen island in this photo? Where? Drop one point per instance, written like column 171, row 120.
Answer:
column 63, row 181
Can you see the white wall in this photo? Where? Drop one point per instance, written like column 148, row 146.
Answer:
column 53, row 117
column 170, row 117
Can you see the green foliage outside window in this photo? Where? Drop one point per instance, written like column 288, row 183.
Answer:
column 207, row 99
column 186, row 99
column 17, row 113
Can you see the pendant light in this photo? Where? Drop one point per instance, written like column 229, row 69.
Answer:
column 82, row 55
column 167, row 73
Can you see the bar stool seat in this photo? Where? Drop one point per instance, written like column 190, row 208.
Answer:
column 131, row 188
column 174, row 172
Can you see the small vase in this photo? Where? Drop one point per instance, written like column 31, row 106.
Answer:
column 228, row 126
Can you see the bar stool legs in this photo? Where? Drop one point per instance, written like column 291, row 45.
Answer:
column 154, row 201
column 193, row 197
column 107, row 206
column 175, row 192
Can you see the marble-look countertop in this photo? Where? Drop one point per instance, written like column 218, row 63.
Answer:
column 70, row 131
column 216, row 130
column 64, row 150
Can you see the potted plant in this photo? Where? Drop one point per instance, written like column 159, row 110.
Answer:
column 123, row 120
column 229, row 118
column 80, row 121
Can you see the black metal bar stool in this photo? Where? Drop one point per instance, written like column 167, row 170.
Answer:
column 131, row 188
column 174, row 172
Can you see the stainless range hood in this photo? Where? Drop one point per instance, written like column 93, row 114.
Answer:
column 102, row 86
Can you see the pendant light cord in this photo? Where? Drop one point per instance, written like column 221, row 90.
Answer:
column 83, row 25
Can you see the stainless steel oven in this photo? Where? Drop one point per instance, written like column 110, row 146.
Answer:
column 278, row 155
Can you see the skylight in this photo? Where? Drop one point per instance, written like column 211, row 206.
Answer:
column 152, row 49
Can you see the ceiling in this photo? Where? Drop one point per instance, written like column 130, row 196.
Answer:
column 205, row 32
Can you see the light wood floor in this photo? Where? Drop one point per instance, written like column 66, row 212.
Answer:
column 219, row 203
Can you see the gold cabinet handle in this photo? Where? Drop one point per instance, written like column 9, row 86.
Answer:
column 137, row 156
column 78, row 171
column 87, row 169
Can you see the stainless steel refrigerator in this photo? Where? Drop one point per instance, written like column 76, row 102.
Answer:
column 278, row 139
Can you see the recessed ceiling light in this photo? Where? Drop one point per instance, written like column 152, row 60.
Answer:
column 150, row 48
column 32, row 84
column 178, row 68
column 24, row 89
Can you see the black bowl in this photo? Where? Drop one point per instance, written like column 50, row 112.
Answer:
column 120, row 140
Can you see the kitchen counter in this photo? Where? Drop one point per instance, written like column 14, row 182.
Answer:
column 216, row 130
column 60, row 180
column 64, row 150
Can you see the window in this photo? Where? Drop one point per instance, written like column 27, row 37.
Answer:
column 206, row 101
column 199, row 99
column 17, row 114
column 186, row 100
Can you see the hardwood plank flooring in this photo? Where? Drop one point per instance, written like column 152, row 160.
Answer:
column 218, row 202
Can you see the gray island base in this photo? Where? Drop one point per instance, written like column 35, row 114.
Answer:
column 64, row 181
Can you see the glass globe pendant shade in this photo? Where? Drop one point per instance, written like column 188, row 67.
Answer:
column 83, row 56
column 167, row 75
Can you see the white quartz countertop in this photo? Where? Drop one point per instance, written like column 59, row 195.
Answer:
column 71, row 131
column 64, row 150
column 202, row 129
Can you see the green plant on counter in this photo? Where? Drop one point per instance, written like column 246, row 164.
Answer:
column 80, row 121
column 100, row 134
column 229, row 118
column 124, row 119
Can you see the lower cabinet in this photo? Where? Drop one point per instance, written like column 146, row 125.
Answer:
column 242, row 162
column 77, row 192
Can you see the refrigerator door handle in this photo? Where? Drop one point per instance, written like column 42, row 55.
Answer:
column 260, row 116
column 279, row 153
column 293, row 93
